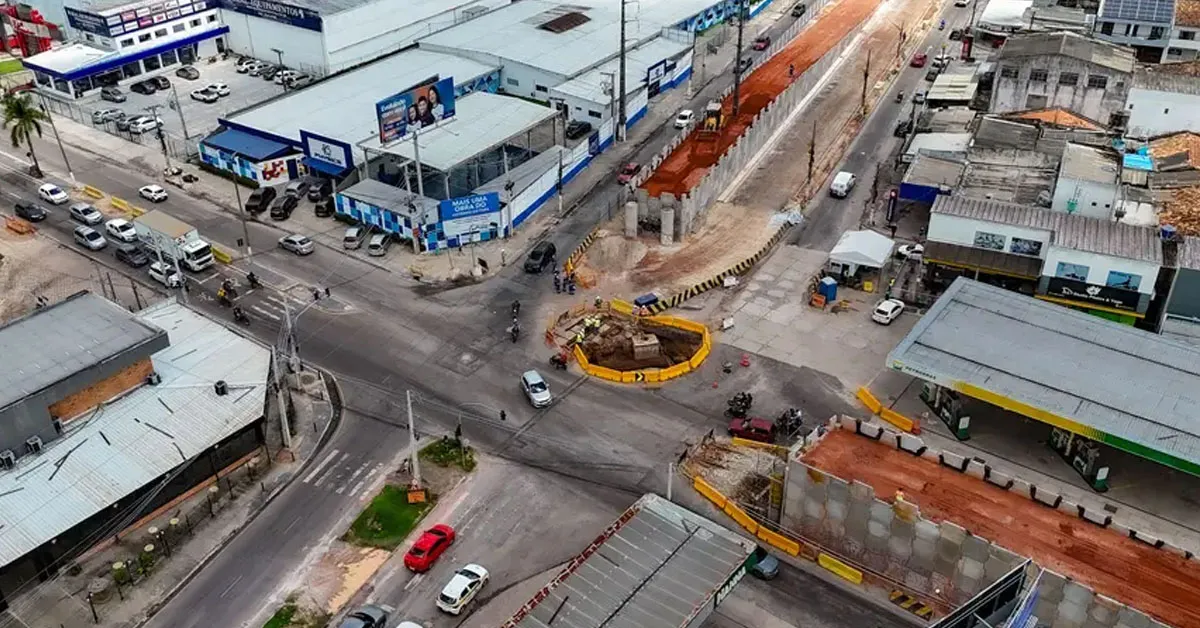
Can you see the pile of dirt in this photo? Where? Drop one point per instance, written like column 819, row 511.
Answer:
column 612, row 345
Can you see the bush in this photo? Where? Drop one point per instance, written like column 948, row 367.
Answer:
column 448, row 452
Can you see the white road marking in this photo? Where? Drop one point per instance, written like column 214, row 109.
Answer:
column 342, row 488
column 231, row 585
column 294, row 522
column 321, row 465
column 331, row 469
column 266, row 313
column 415, row 579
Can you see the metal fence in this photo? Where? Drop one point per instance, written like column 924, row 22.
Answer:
column 176, row 147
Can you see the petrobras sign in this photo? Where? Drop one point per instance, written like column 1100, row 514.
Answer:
column 338, row 155
column 276, row 12
column 729, row 585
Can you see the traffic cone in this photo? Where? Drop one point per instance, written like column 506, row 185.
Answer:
column 745, row 359
column 716, row 383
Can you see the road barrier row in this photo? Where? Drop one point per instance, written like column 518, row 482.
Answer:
column 221, row 255
column 650, row 375
column 93, row 192
column 877, row 408
column 577, row 254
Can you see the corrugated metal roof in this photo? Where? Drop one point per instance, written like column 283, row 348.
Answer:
column 1120, row 380
column 1189, row 253
column 138, row 438
column 55, row 342
column 1075, row 232
column 658, row 566
column 1165, row 80
column 1072, row 45
column 930, row 170
column 1088, row 164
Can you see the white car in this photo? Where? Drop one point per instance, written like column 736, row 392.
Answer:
column 911, row 251
column 145, row 124
column 219, row 89
column 165, row 274
column 121, row 229
column 685, row 117
column 203, row 95
column 298, row 244
column 53, row 194
column 86, row 214
column 284, row 76
column 842, row 183
column 887, row 311
column 462, row 588
column 152, row 193
column 246, row 65
column 90, row 238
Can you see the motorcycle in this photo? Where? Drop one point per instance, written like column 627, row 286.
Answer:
column 240, row 316
column 516, row 309
column 559, row 361
column 942, row 26
column 790, row 421
column 515, row 331
column 739, row 405
column 223, row 299
column 252, row 279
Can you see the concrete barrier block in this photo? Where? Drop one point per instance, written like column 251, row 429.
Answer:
column 911, row 444
column 1077, row 594
column 1119, row 528
column 952, row 460
column 1152, row 541
column 1098, row 517
column 1045, row 496
column 848, row 422
column 996, row 478
column 976, row 468
column 837, row 490
column 906, row 510
column 1051, row 588
column 1068, row 507
column 1103, row 611
column 1178, row 551
column 861, row 492
column 870, row 430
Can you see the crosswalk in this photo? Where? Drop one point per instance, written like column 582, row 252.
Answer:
column 337, row 474
column 271, row 307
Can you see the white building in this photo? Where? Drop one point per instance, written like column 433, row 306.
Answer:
column 1184, row 44
column 1087, row 182
column 1163, row 99
column 1144, row 25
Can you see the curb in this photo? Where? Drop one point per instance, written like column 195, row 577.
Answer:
column 335, row 420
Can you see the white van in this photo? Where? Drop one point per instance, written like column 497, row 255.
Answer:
column 165, row 274
column 353, row 238
column 379, row 244
column 842, row 183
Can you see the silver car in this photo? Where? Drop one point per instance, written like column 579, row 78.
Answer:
column 536, row 389
column 90, row 238
column 86, row 214
column 298, row 244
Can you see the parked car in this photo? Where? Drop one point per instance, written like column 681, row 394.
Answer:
column 919, row 60
column 577, row 129
column 432, row 544
column 284, row 76
column 320, row 189
column 85, row 213
column 744, row 64
column 536, row 389
column 324, row 208
column 762, row 42
column 258, row 68
column 799, row 10
column 112, row 93
column 164, row 273
column 219, row 89
column 188, row 72
column 260, row 199
column 246, row 65
column 298, row 188
column 298, row 81
column 131, row 255
column 143, row 87
column 941, row 61
column 887, row 311
column 960, row 3
column 918, row 98
column 153, row 193
column 766, row 566
column 685, row 118
column 353, row 238
column 283, row 207
column 627, row 172
column 205, row 96
column 53, row 194
column 541, row 256
column 932, row 74
column 462, row 588
column 89, row 237
column 298, row 244
column 268, row 73
column 752, row 428
column 121, row 230
column 160, row 82
column 911, row 251
column 379, row 244
column 369, row 616
column 123, row 124
column 903, row 127
column 31, row 212
column 102, row 116
column 145, row 124
column 956, row 34
column 843, row 182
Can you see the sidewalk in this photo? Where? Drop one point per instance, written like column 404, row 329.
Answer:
column 204, row 523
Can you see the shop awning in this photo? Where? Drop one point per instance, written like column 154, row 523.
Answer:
column 324, row 167
column 250, row 146
column 983, row 260
column 862, row 248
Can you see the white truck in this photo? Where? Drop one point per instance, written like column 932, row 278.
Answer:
column 178, row 240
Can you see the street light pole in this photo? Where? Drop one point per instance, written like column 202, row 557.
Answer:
column 57, row 137
column 737, row 59
column 179, row 110
column 279, row 53
column 162, row 139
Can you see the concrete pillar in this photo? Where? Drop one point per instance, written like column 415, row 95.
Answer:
column 837, row 506
column 654, row 207
column 814, row 504
column 857, row 517
column 668, row 226
column 1050, row 594
column 631, row 219
column 949, row 548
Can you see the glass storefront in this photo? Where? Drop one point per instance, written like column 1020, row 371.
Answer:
column 152, row 63
column 169, row 58
column 187, row 54
column 130, row 70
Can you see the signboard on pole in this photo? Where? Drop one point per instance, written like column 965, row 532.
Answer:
column 415, row 108
column 465, row 215
column 327, row 152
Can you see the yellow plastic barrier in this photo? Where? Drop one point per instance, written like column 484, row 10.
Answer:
column 136, row 211
column 118, row 203
column 707, row 490
column 701, row 355
column 840, row 568
column 869, row 400
column 222, row 256
column 623, row 307
column 740, row 516
column 745, row 442
column 897, row 419
column 93, row 192
column 778, row 540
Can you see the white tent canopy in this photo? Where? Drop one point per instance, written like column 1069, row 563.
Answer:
column 862, row 248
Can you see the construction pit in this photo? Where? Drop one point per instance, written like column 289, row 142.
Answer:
column 612, row 342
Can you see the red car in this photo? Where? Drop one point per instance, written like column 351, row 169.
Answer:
column 428, row 548
column 626, row 173
column 761, row 42
column 751, row 428
column 918, row 60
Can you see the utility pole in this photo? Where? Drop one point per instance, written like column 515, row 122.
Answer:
column 866, row 78
column 281, row 402
column 975, row 4
column 412, row 433
column 619, row 132
column 242, row 214
column 57, row 137
column 900, row 42
column 279, row 53
column 812, row 153
column 179, row 110
column 162, row 139
column 737, row 58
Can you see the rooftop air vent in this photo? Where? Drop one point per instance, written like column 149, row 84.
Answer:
column 221, row 388
column 154, row 378
column 564, row 22
column 58, row 426
column 8, row 459
column 33, row 445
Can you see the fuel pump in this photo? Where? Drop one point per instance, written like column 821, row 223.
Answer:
column 1083, row 454
column 947, row 405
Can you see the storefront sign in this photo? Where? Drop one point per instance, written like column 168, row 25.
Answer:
column 477, row 213
column 124, row 22
column 1093, row 294
column 277, row 12
column 87, row 22
column 325, row 150
column 729, row 585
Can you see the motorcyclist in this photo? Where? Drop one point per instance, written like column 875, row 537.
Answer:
column 515, row 329
column 253, row 280
column 516, row 309
column 942, row 26
column 239, row 315
column 223, row 297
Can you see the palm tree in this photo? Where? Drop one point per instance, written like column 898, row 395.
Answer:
column 23, row 119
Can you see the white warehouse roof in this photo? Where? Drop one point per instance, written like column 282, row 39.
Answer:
column 342, row 107
column 518, row 32
column 590, row 85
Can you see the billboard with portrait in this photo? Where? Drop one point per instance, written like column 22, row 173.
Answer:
column 419, row 107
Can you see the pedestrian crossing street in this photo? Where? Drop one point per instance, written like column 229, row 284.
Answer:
column 337, row 473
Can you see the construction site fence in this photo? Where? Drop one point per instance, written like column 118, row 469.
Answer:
column 646, row 375
column 877, row 408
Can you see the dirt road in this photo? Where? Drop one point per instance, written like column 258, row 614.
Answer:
column 684, row 168
column 1153, row 581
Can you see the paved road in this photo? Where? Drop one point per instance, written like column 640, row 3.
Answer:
column 450, row 349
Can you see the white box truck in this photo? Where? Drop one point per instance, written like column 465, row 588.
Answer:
column 175, row 239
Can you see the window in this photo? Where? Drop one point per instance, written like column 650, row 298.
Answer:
column 985, row 240
column 1067, row 270
column 1008, row 72
column 1174, row 52
column 151, row 63
column 1038, row 75
column 1187, row 35
column 162, row 32
column 1068, row 79
column 1021, row 246
column 1106, row 28
column 169, row 58
column 1097, row 81
column 143, row 38
column 1166, row 110
column 1133, row 32
column 594, row 114
column 1124, row 281
column 88, row 36
column 541, row 88
column 178, row 28
column 194, row 23
column 513, row 82
column 1156, row 32
column 1129, row 30
column 212, row 18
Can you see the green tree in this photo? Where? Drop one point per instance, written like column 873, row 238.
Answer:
column 23, row 119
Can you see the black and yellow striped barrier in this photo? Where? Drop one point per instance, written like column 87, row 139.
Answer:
column 574, row 257
column 911, row 604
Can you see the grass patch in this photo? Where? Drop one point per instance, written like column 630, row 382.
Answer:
column 292, row 616
column 447, row 452
column 386, row 520
column 282, row 617
column 10, row 66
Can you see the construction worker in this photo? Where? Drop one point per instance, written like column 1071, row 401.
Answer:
column 557, row 283
column 791, row 71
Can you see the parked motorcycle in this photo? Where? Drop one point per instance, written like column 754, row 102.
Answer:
column 739, row 405
column 559, row 361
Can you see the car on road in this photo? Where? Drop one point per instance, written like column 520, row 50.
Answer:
column 298, row 244
column 540, row 256
column 752, row 428
column 911, row 251
column 843, row 182
column 260, row 199
column 164, row 273
column 960, row 3
column 153, row 193
column 627, row 172
column 744, row 64
column 685, row 118
column 766, row 567
column 112, row 94
column 932, row 74
column 283, row 207
column 53, row 194
column 205, row 96
column 577, row 129
column 88, row 215
column 432, row 544
column 121, row 229
column 903, row 127
column 369, row 616
column 298, row 188
column 799, row 10
column 887, row 311
column 145, row 88
column 762, row 42
column 30, row 211
column 918, row 98
column 324, row 208
column 132, row 255
column 188, row 72
column 219, row 89
column 919, row 60
column 145, row 124
column 536, row 389
column 89, row 237
column 956, row 34
column 462, row 588
column 100, row 116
